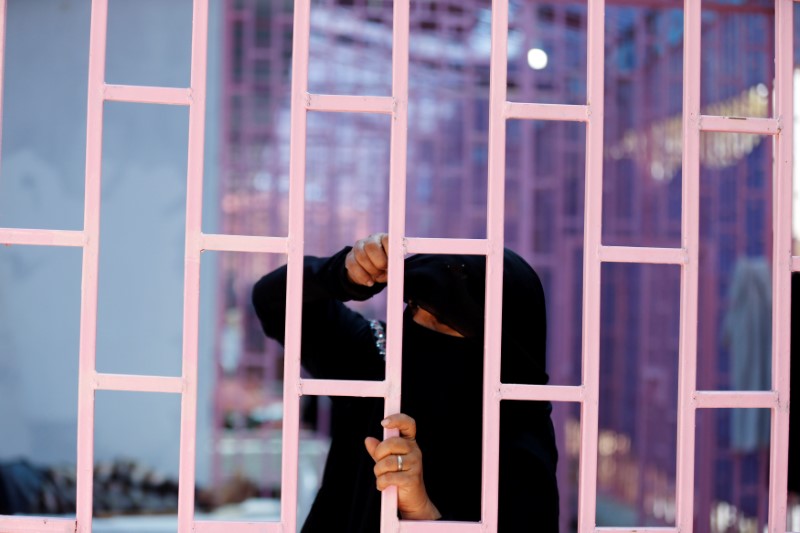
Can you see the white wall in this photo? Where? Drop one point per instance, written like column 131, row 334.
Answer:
column 142, row 229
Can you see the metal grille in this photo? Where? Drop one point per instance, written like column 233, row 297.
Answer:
column 500, row 111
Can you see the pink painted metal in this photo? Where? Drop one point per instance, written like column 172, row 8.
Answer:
column 244, row 243
column 495, row 216
column 397, row 229
column 440, row 527
column 3, row 10
column 120, row 382
column 324, row 387
column 553, row 393
column 781, row 263
column 37, row 525
column 191, row 280
column 736, row 399
column 350, row 104
column 759, row 126
column 294, row 286
column 201, row 526
column 690, row 240
column 39, row 237
column 593, row 217
column 91, row 228
column 148, row 95
column 631, row 254
column 530, row 111
column 446, row 246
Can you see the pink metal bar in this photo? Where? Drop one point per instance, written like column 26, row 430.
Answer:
column 18, row 524
column 637, row 530
column 294, row 289
column 632, row 254
column 397, row 228
column 553, row 393
column 39, row 237
column 244, row 243
column 91, row 228
column 191, row 279
column 759, row 126
column 782, row 254
column 350, row 104
column 121, row 382
column 3, row 9
column 593, row 218
column 736, row 399
column 239, row 527
column 416, row 245
column 525, row 111
column 495, row 221
column 324, row 387
column 440, row 527
column 148, row 95
column 690, row 238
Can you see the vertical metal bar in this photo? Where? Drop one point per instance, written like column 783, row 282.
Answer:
column 587, row 499
column 397, row 222
column 690, row 237
column 294, row 290
column 3, row 14
column 782, row 262
column 91, row 251
column 494, row 263
column 191, row 280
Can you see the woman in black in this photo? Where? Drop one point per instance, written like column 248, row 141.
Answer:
column 441, row 403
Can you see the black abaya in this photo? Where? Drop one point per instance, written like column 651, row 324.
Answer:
column 442, row 389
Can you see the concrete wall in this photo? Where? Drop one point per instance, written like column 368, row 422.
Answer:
column 142, row 229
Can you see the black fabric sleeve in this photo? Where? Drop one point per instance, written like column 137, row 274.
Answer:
column 337, row 342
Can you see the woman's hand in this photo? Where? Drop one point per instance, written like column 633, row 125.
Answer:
column 398, row 461
column 368, row 261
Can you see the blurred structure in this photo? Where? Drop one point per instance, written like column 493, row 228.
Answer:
column 347, row 198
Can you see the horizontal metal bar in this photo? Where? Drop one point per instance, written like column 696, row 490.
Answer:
column 123, row 382
column 735, row 399
column 553, row 393
column 796, row 260
column 203, row 526
column 244, row 243
column 636, row 530
column 16, row 524
column 760, row 126
column 41, row 237
column 528, row 111
column 350, row 104
column 329, row 387
column 147, row 95
column 422, row 526
column 417, row 245
column 635, row 254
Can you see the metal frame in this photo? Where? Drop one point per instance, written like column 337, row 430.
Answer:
column 587, row 394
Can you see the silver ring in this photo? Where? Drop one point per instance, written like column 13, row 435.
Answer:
column 399, row 463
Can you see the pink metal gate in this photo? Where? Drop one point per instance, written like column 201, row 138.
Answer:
column 396, row 106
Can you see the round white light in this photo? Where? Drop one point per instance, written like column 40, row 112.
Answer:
column 537, row 58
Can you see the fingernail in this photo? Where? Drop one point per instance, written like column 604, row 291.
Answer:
column 385, row 422
column 370, row 283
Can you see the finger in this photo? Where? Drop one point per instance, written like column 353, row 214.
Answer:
column 397, row 479
column 389, row 464
column 394, row 446
column 371, row 444
column 403, row 423
column 361, row 252
column 374, row 249
column 356, row 273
